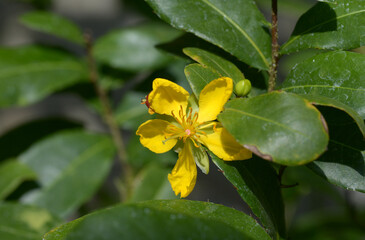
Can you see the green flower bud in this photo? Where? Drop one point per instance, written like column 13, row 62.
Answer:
column 242, row 88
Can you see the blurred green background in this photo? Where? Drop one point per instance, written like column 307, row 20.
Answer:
column 315, row 209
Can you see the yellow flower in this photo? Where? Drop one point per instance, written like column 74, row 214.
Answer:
column 185, row 125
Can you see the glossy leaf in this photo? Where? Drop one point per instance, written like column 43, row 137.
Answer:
column 329, row 25
column 152, row 183
column 329, row 102
column 28, row 74
column 343, row 164
column 237, row 26
column 133, row 49
column 257, row 184
column 21, row 222
column 338, row 75
column 171, row 219
column 258, row 78
column 277, row 126
column 53, row 24
column 12, row 174
column 15, row 143
column 198, row 76
column 70, row 167
column 218, row 64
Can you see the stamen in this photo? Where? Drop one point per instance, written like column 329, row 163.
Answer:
column 180, row 135
column 195, row 144
column 214, row 127
column 204, row 133
column 195, row 118
column 189, row 116
column 206, row 125
column 172, row 113
column 181, row 112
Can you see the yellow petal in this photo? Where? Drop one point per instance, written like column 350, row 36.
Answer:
column 167, row 96
column 152, row 135
column 224, row 146
column 213, row 97
column 183, row 176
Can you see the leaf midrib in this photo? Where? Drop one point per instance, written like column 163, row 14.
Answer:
column 323, row 86
column 83, row 156
column 243, row 32
column 258, row 205
column 344, row 145
column 318, row 25
column 197, row 73
column 227, row 74
column 267, row 120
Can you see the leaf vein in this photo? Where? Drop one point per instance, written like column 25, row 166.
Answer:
column 324, row 86
column 318, row 25
column 267, row 120
column 99, row 146
column 344, row 145
column 244, row 33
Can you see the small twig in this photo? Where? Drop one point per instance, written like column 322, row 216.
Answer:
column 281, row 172
column 109, row 119
column 274, row 46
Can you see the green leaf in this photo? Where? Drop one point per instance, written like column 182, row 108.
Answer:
column 12, row 174
column 343, row 164
column 257, row 184
column 53, row 24
column 70, row 167
column 14, row 143
column 21, row 222
column 28, row 74
column 218, row 64
column 198, row 76
column 130, row 113
column 277, row 126
column 152, row 183
column 171, row 219
column 329, row 102
column 338, row 75
column 258, row 78
column 237, row 26
column 133, row 49
column 329, row 25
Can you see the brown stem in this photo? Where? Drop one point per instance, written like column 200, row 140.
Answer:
column 274, row 46
column 109, row 119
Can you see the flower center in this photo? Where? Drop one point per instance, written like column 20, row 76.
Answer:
column 187, row 131
column 187, row 126
column 187, row 122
